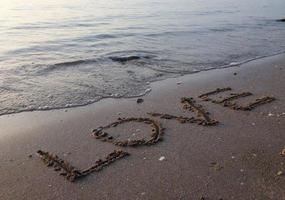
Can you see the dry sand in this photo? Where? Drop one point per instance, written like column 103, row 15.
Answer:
column 237, row 159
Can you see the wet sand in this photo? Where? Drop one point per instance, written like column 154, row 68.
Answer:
column 239, row 158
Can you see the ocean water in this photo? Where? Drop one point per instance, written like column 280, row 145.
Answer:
column 59, row 53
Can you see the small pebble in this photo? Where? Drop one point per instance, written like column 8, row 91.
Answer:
column 161, row 158
column 279, row 173
column 66, row 154
column 283, row 152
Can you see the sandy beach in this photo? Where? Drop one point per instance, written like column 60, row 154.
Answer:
column 237, row 159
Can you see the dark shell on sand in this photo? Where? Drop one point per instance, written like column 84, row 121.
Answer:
column 140, row 100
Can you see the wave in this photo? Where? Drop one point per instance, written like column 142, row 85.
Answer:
column 136, row 86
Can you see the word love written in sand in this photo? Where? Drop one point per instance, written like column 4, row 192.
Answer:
column 71, row 173
column 202, row 118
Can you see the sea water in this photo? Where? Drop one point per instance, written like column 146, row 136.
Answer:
column 64, row 53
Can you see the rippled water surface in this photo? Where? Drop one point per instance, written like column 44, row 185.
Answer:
column 59, row 53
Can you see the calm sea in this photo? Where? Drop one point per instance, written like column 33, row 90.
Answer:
column 64, row 53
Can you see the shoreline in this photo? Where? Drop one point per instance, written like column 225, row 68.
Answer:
column 230, row 65
column 237, row 159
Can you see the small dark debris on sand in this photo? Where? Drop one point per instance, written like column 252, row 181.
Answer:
column 140, row 100
column 216, row 166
